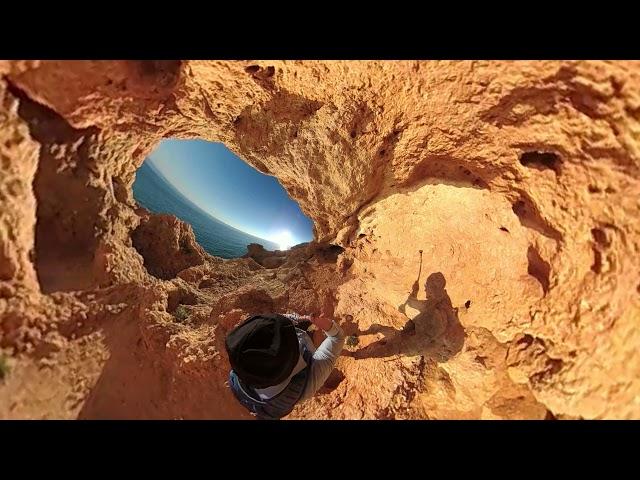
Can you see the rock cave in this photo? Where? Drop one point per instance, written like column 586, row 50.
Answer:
column 476, row 231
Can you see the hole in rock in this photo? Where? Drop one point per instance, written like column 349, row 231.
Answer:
column 596, row 267
column 180, row 297
column 258, row 71
column 330, row 254
column 447, row 170
column 227, row 203
column 481, row 360
column 538, row 268
column 600, row 237
column 600, row 243
column 525, row 341
column 162, row 73
column 541, row 161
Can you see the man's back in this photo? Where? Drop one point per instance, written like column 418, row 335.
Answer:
column 305, row 374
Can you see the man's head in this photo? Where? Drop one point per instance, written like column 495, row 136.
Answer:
column 263, row 350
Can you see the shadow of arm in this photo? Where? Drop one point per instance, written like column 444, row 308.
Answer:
column 412, row 299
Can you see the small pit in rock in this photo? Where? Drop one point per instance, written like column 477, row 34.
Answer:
column 600, row 243
column 541, row 161
column 177, row 298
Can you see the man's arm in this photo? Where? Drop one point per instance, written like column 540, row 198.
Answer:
column 325, row 356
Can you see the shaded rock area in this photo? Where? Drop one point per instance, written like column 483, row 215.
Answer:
column 476, row 229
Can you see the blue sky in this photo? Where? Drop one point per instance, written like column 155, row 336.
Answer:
column 223, row 185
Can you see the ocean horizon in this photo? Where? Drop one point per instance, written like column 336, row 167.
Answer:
column 154, row 192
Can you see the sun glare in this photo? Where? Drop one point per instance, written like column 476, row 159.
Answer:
column 284, row 239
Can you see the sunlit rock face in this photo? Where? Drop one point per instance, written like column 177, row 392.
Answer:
column 476, row 233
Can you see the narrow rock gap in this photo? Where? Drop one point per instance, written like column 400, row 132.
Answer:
column 538, row 268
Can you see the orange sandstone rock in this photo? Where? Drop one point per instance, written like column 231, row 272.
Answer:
column 484, row 217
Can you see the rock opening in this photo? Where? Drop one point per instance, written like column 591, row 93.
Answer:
column 472, row 281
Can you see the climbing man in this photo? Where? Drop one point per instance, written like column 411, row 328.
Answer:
column 274, row 364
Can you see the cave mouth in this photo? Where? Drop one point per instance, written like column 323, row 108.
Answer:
column 228, row 203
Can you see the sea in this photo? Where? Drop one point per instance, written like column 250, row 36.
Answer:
column 155, row 193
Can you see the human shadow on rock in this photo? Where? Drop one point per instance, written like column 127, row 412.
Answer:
column 435, row 332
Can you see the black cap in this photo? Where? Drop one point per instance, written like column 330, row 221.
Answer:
column 263, row 350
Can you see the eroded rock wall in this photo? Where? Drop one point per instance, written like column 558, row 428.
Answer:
column 487, row 214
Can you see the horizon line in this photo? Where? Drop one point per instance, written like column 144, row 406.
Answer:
column 192, row 202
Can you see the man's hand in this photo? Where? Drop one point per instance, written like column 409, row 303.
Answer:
column 322, row 322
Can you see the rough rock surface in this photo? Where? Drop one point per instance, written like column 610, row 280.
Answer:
column 484, row 218
column 166, row 244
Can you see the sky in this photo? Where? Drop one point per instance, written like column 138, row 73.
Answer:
column 223, row 185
